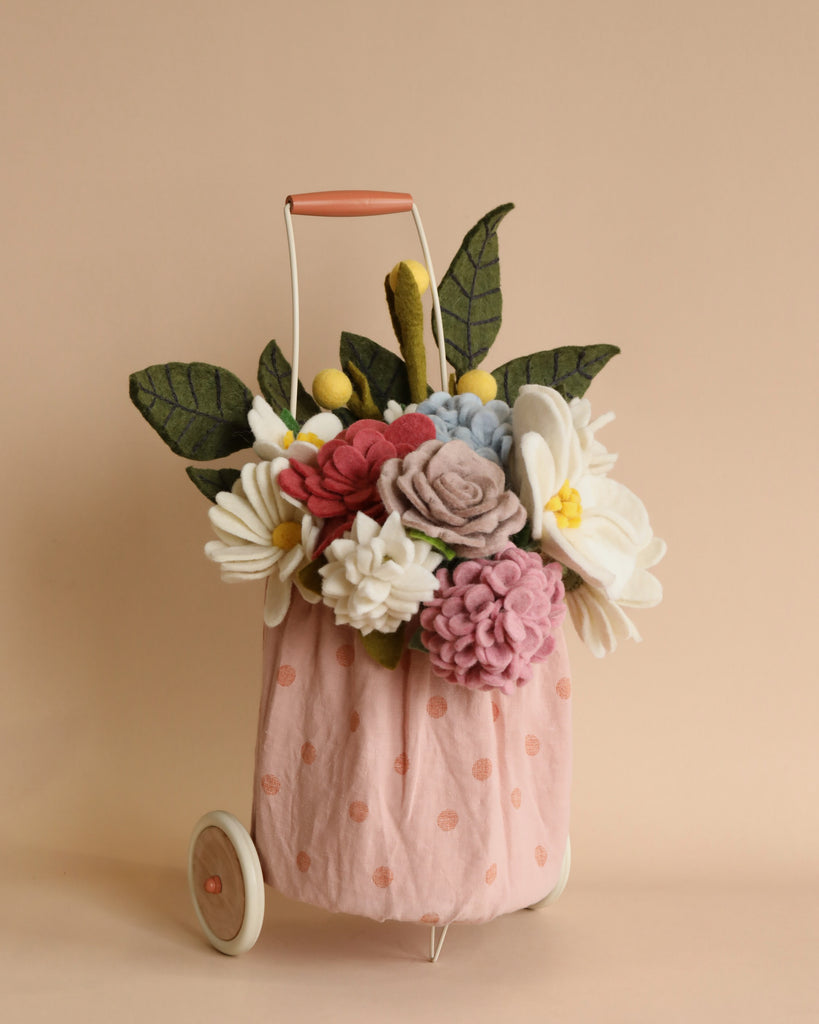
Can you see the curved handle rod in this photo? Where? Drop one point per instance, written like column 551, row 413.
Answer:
column 351, row 203
column 294, row 277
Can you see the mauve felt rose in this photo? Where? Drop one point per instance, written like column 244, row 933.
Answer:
column 491, row 620
column 344, row 479
column 446, row 490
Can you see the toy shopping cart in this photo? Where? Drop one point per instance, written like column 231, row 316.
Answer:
column 388, row 792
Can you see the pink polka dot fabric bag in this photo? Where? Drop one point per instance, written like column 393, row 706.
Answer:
column 420, row 550
column 396, row 795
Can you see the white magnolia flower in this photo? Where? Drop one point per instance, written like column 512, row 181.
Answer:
column 601, row 622
column 275, row 439
column 582, row 518
column 262, row 535
column 393, row 410
column 376, row 577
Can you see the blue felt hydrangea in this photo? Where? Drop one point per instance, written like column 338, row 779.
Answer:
column 485, row 428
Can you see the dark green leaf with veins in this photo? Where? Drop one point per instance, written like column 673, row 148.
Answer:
column 470, row 294
column 568, row 370
column 274, row 381
column 199, row 411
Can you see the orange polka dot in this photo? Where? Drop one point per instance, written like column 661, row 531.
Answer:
column 359, row 810
column 383, row 877
column 303, row 861
column 515, row 798
column 308, row 753
column 401, row 764
column 355, row 721
column 271, row 785
column 345, row 655
column 436, row 707
column 495, row 711
column 564, row 688
column 541, row 856
column 532, row 745
column 447, row 820
column 491, row 873
column 286, row 675
column 430, row 919
column 482, row 769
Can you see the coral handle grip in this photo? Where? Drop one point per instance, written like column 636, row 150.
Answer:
column 355, row 203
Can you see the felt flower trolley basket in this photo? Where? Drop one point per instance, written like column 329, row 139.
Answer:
column 420, row 548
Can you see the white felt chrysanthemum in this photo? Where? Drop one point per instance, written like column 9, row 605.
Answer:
column 602, row 623
column 262, row 535
column 274, row 439
column 376, row 577
column 583, row 519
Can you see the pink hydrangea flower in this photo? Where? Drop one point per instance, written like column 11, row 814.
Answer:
column 492, row 619
column 344, row 479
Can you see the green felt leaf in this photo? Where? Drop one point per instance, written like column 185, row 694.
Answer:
column 470, row 294
column 434, row 542
column 289, row 420
column 385, row 648
column 211, row 481
column 199, row 411
column 274, row 380
column 385, row 371
column 416, row 643
column 523, row 538
column 310, row 577
column 568, row 370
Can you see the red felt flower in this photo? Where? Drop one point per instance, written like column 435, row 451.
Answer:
column 344, row 479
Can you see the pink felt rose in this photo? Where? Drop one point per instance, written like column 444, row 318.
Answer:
column 343, row 481
column 446, row 490
column 492, row 619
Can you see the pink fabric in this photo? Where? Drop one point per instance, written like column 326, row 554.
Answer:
column 397, row 795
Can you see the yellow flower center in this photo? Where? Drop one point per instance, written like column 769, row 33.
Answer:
column 286, row 536
column 566, row 507
column 304, row 435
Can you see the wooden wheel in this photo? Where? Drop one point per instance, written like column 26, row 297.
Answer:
column 226, row 884
column 561, row 883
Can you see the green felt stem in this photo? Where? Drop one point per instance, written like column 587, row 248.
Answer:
column 407, row 309
column 361, row 403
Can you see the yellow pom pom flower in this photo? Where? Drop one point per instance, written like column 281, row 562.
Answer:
column 478, row 382
column 332, row 389
column 419, row 272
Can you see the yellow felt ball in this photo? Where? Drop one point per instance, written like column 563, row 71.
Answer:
column 419, row 272
column 478, row 382
column 332, row 389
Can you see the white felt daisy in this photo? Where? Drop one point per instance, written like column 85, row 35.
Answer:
column 262, row 535
column 376, row 577
column 273, row 438
column 585, row 520
column 602, row 623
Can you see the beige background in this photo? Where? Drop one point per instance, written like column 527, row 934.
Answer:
column 663, row 158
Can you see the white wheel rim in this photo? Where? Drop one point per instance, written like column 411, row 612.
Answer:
column 251, row 877
column 562, row 880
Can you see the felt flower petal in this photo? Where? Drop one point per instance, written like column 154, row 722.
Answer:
column 261, row 536
column 582, row 518
column 376, row 578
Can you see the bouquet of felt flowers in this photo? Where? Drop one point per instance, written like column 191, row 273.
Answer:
column 459, row 522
